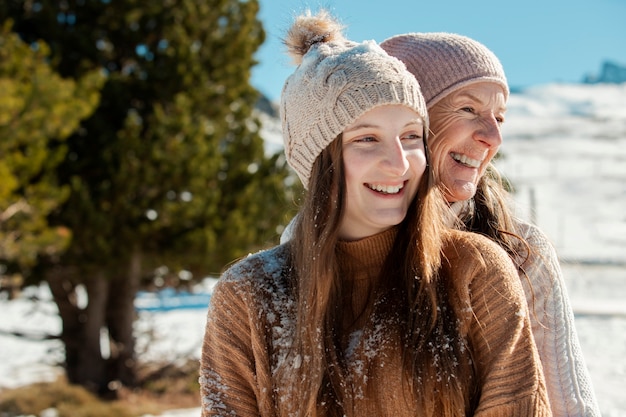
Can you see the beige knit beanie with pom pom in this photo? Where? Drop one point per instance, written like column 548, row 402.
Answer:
column 445, row 62
column 336, row 82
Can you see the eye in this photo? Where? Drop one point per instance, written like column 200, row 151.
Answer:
column 468, row 109
column 412, row 136
column 412, row 141
column 365, row 139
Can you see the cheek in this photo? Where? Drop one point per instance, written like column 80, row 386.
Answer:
column 350, row 161
column 349, row 177
column 441, row 138
column 417, row 159
column 437, row 150
column 353, row 168
column 419, row 163
column 418, row 170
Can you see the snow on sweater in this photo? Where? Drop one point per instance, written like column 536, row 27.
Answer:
column 251, row 321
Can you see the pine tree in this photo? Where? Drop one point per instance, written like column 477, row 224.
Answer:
column 168, row 173
column 38, row 111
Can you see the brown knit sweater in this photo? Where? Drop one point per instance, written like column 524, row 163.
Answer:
column 251, row 320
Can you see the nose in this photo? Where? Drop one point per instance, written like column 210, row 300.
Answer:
column 395, row 161
column 489, row 132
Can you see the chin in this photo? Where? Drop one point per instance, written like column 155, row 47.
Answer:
column 392, row 220
column 462, row 194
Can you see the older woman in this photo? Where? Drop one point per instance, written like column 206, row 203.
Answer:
column 466, row 90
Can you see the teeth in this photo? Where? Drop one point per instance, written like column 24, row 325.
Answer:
column 474, row 163
column 387, row 189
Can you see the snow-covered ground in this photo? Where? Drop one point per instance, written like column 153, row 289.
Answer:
column 565, row 152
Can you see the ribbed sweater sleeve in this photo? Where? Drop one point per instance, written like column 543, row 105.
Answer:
column 569, row 384
column 226, row 373
column 249, row 324
column 500, row 333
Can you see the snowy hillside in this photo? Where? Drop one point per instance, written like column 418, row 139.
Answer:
column 565, row 152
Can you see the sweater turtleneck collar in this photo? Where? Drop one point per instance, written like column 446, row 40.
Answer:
column 363, row 258
column 360, row 264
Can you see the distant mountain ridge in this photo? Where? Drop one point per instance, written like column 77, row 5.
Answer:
column 611, row 73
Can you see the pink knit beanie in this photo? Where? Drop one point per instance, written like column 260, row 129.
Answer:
column 446, row 62
column 335, row 83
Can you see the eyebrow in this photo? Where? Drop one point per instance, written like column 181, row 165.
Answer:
column 370, row 126
column 476, row 98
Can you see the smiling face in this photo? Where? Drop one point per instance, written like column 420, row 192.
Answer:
column 384, row 159
column 465, row 137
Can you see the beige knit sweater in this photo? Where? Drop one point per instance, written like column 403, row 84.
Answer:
column 570, row 389
column 251, row 319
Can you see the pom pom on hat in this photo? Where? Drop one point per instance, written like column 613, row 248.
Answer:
column 445, row 62
column 336, row 82
column 309, row 30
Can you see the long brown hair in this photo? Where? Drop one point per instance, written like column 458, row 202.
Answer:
column 439, row 379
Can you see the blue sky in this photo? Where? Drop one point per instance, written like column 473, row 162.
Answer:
column 538, row 41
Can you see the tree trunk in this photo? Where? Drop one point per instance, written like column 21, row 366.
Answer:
column 120, row 320
column 109, row 306
column 92, row 370
column 63, row 293
column 81, row 326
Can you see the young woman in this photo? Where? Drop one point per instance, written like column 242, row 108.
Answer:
column 374, row 307
column 466, row 90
